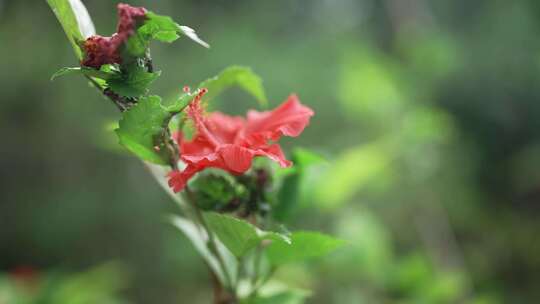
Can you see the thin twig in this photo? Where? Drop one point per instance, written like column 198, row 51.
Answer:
column 122, row 103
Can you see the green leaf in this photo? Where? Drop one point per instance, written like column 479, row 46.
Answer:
column 134, row 83
column 166, row 36
column 161, row 28
column 157, row 27
column 290, row 199
column 303, row 158
column 137, row 45
column 274, row 292
column 240, row 76
column 198, row 239
column 75, row 20
column 141, row 129
column 288, row 196
column 66, row 71
column 282, row 297
column 191, row 34
column 231, row 76
column 102, row 284
column 238, row 235
column 353, row 171
column 102, row 73
column 181, row 102
column 304, row 245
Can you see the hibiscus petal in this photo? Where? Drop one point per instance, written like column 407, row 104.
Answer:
column 236, row 159
column 275, row 153
column 289, row 119
column 179, row 179
column 225, row 128
column 198, row 156
column 230, row 143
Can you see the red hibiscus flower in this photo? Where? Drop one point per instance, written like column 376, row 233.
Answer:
column 230, row 143
column 101, row 50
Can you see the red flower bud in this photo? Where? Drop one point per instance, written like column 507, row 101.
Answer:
column 101, row 50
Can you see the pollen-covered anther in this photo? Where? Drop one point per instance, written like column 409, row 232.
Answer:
column 198, row 98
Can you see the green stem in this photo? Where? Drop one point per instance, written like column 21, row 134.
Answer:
column 263, row 281
column 120, row 102
column 212, row 244
column 258, row 256
column 256, row 265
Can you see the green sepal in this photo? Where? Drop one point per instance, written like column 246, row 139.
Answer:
column 215, row 190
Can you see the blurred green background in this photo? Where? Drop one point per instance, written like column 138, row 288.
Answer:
column 427, row 111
